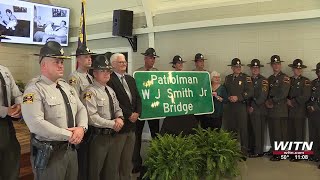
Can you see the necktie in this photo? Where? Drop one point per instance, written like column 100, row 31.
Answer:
column 69, row 110
column 126, row 87
column 4, row 91
column 110, row 103
column 89, row 80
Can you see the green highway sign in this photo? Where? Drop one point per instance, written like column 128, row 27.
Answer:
column 173, row 93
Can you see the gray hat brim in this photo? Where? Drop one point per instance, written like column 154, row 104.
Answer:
column 235, row 65
column 301, row 67
column 177, row 62
column 249, row 65
column 90, row 53
column 275, row 62
column 58, row 57
column 155, row 56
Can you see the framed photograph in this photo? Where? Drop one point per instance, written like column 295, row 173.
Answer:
column 59, row 12
column 19, row 9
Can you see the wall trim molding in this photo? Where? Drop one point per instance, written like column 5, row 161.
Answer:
column 310, row 14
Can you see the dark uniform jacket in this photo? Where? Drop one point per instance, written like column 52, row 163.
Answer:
column 127, row 107
column 299, row 94
column 279, row 87
column 315, row 95
column 261, row 87
column 240, row 86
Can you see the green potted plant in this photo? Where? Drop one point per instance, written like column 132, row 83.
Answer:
column 220, row 153
column 172, row 157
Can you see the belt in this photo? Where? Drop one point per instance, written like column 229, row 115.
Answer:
column 102, row 131
column 57, row 145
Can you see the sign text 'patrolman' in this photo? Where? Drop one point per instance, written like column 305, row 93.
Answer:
column 171, row 93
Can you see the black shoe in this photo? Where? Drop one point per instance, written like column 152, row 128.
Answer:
column 319, row 166
column 294, row 160
column 313, row 159
column 244, row 158
column 275, row 158
column 269, row 153
column 255, row 155
column 136, row 170
column 143, row 171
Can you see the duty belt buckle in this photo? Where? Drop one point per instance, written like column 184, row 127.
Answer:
column 70, row 146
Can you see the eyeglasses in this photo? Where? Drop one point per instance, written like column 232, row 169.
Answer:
column 122, row 62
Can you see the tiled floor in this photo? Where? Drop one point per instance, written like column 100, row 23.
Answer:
column 264, row 169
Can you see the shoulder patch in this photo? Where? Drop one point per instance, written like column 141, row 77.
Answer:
column 286, row 79
column 248, row 79
column 87, row 95
column 307, row 82
column 72, row 81
column 28, row 98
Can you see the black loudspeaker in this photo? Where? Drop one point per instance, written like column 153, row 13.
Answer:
column 122, row 23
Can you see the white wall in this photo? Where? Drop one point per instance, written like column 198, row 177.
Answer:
column 289, row 39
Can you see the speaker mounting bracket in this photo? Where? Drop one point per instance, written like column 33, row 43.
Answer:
column 133, row 42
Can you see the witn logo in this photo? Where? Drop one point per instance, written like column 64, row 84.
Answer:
column 292, row 148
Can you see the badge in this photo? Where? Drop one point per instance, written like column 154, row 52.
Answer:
column 72, row 81
column 28, row 98
column 314, row 88
column 264, row 88
column 87, row 95
column 240, row 82
column 307, row 83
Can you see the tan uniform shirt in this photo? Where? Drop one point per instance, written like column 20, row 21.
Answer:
column 96, row 101
column 143, row 68
column 44, row 109
column 79, row 81
column 13, row 92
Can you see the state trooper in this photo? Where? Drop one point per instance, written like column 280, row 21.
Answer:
column 298, row 95
column 55, row 116
column 257, row 110
column 80, row 78
column 313, row 107
column 150, row 56
column 177, row 63
column 10, row 108
column 199, row 62
column 240, row 90
column 172, row 125
column 277, row 109
column 105, row 119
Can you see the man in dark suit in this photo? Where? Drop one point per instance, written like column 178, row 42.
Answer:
column 130, row 103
